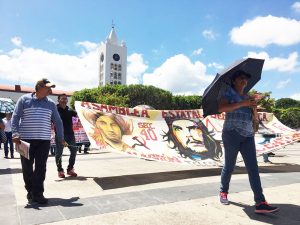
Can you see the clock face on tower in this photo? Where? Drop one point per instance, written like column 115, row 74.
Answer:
column 116, row 57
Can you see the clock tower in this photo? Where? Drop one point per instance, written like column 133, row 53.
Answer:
column 112, row 60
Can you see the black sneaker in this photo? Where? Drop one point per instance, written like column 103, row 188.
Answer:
column 40, row 199
column 271, row 154
column 264, row 207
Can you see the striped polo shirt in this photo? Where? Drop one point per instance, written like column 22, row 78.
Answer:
column 32, row 118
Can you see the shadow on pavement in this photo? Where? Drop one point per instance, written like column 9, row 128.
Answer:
column 287, row 214
column 140, row 179
column 71, row 202
column 10, row 171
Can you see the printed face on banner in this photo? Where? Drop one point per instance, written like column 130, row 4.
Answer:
column 191, row 139
column 189, row 135
column 109, row 129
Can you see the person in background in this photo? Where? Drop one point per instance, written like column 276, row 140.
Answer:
column 238, row 136
column 2, row 126
column 31, row 122
column 8, row 133
column 66, row 115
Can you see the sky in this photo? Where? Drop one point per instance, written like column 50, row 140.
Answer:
column 175, row 45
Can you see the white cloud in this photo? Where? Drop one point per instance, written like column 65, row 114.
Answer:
column 296, row 7
column 283, row 83
column 263, row 31
column 67, row 71
column 17, row 41
column 89, row 46
column 296, row 96
column 209, row 34
column 197, row 51
column 289, row 64
column 135, row 68
column 51, row 40
column 180, row 76
column 215, row 65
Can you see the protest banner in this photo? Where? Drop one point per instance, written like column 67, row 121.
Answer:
column 180, row 136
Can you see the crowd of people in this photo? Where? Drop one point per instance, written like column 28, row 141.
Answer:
column 36, row 109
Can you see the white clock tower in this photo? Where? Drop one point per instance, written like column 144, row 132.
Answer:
column 112, row 60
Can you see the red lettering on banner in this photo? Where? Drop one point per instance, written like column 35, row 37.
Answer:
column 208, row 122
column 85, row 104
column 122, row 111
column 164, row 114
column 136, row 112
column 173, row 159
column 188, row 113
column 145, row 113
column 262, row 116
column 104, row 107
column 112, row 108
column 280, row 127
column 115, row 109
column 182, row 115
column 144, row 125
column 96, row 107
column 195, row 115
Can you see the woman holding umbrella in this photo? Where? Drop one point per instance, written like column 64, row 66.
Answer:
column 238, row 136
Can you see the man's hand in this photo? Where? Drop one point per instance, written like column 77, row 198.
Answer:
column 16, row 140
column 64, row 143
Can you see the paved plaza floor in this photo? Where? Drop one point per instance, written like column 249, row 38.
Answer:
column 113, row 188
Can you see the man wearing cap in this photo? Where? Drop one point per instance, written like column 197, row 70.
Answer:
column 31, row 122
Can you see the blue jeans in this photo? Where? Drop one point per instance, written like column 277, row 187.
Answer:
column 70, row 139
column 234, row 143
column 10, row 142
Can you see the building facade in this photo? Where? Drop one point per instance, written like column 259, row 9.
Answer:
column 112, row 60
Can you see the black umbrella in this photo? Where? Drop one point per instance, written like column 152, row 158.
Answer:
column 222, row 81
column 6, row 105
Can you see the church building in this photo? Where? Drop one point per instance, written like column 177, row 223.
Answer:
column 112, row 60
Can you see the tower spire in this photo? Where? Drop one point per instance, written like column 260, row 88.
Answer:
column 112, row 38
column 112, row 24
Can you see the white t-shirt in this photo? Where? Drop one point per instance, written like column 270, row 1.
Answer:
column 7, row 124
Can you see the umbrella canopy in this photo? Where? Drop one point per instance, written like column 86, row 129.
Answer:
column 6, row 105
column 213, row 93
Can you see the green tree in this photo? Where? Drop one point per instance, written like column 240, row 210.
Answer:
column 286, row 103
column 136, row 94
column 289, row 117
column 266, row 102
column 186, row 102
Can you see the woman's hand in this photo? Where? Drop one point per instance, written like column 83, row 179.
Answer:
column 249, row 103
